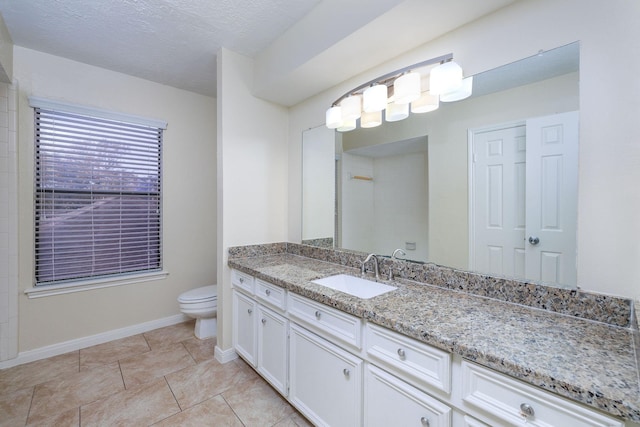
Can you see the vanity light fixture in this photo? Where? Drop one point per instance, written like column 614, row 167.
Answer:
column 371, row 120
column 396, row 112
column 391, row 95
column 445, row 78
column 464, row 91
column 406, row 88
column 374, row 98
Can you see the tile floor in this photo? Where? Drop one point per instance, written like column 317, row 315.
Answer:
column 165, row 377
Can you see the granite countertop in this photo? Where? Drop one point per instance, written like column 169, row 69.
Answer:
column 590, row 362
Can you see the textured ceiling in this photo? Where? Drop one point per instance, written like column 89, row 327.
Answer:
column 296, row 44
column 168, row 41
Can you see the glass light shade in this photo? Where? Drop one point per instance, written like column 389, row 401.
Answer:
column 406, row 88
column 351, row 108
column 346, row 126
column 374, row 98
column 371, row 120
column 396, row 112
column 445, row 78
column 425, row 103
column 462, row 92
column 333, row 117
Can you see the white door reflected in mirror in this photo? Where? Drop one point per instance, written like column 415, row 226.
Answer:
column 524, row 200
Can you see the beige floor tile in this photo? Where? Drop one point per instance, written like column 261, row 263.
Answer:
column 212, row 412
column 200, row 350
column 201, row 382
column 245, row 368
column 295, row 420
column 141, row 406
column 70, row 418
column 112, row 351
column 148, row 366
column 64, row 393
column 40, row 371
column 14, row 407
column 257, row 404
column 170, row 334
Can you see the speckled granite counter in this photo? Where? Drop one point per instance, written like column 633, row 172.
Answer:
column 591, row 362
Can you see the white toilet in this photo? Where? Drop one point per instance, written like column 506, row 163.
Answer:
column 201, row 304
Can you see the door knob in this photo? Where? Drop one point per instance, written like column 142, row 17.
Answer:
column 534, row 240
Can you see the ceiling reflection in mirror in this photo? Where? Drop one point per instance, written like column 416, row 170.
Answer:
column 430, row 185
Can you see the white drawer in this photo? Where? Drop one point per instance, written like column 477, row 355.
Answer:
column 271, row 294
column 390, row 401
column 509, row 399
column 325, row 320
column 410, row 359
column 242, row 281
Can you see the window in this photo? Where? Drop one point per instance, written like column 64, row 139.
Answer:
column 97, row 196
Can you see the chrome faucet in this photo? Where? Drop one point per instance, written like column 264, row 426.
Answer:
column 375, row 263
column 393, row 257
column 400, row 251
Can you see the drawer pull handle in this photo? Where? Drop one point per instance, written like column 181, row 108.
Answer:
column 346, row 372
column 424, row 421
column 241, row 280
column 249, row 311
column 401, row 353
column 526, row 410
column 264, row 321
column 318, row 314
column 268, row 292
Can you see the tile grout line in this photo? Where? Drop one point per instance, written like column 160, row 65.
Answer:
column 33, row 393
column 172, row 393
column 232, row 410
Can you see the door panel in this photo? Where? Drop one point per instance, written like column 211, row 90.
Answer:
column 552, row 188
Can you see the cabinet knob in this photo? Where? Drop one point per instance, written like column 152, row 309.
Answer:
column 401, row 353
column 268, row 292
column 249, row 311
column 424, row 421
column 346, row 372
column 526, row 410
column 264, row 321
column 318, row 314
column 241, row 280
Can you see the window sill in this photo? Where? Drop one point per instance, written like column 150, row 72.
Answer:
column 87, row 285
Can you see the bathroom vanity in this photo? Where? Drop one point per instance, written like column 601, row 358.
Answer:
column 429, row 355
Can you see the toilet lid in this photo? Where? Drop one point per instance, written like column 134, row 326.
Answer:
column 204, row 293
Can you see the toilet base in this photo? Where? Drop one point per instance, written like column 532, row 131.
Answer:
column 206, row 327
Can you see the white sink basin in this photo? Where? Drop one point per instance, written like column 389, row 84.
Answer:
column 356, row 286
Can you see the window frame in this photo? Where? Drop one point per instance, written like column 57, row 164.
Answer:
column 97, row 281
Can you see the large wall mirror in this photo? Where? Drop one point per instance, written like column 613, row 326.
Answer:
column 487, row 184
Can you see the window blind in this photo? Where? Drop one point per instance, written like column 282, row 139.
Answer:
column 97, row 197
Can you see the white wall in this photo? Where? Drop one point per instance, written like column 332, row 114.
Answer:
column 609, row 198
column 401, row 204
column 358, row 221
column 252, row 173
column 189, row 204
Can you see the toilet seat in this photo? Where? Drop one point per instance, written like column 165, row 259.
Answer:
column 199, row 295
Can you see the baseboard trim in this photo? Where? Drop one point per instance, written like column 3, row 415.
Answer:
column 225, row 356
column 79, row 343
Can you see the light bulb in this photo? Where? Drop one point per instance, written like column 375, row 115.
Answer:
column 333, row 117
column 406, row 88
column 445, row 78
column 374, row 98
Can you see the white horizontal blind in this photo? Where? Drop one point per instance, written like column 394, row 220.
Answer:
column 97, row 197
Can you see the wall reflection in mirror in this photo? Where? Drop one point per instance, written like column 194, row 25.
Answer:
column 486, row 184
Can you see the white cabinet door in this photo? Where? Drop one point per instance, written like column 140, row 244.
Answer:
column 325, row 381
column 272, row 348
column 390, row 401
column 244, row 327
